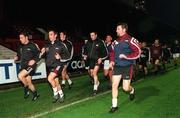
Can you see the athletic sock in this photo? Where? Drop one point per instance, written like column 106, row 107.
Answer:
column 132, row 91
column 96, row 86
column 61, row 93
column 69, row 81
column 63, row 82
column 55, row 91
column 34, row 93
column 114, row 102
column 26, row 89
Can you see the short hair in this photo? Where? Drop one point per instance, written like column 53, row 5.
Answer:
column 94, row 32
column 52, row 30
column 109, row 35
column 123, row 25
column 24, row 33
column 64, row 32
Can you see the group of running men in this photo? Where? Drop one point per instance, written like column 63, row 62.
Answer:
column 158, row 54
column 118, row 57
column 57, row 54
column 123, row 55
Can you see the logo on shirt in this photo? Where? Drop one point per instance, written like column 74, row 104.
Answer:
column 28, row 49
column 126, row 40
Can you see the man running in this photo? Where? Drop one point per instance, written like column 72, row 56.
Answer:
column 126, row 50
column 28, row 54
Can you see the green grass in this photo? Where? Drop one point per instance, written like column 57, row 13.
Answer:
column 156, row 97
column 12, row 103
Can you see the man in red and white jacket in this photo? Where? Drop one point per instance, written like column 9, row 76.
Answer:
column 125, row 51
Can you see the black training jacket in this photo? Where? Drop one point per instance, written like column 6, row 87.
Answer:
column 96, row 49
column 56, row 47
column 27, row 52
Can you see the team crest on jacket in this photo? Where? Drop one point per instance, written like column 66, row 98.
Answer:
column 97, row 45
column 126, row 40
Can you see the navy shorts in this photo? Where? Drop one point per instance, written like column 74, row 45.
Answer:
column 125, row 71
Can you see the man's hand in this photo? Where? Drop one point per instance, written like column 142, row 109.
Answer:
column 43, row 50
column 111, row 65
column 16, row 58
column 83, row 62
column 122, row 56
column 85, row 57
column 57, row 56
column 31, row 62
column 99, row 60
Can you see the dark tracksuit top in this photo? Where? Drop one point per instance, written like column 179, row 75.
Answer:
column 166, row 53
column 96, row 49
column 109, row 48
column 69, row 46
column 83, row 50
column 175, row 48
column 27, row 52
column 56, row 47
column 144, row 57
column 128, row 46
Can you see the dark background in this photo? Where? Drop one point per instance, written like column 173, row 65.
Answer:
column 161, row 16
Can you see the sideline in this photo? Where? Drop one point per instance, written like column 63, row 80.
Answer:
column 68, row 105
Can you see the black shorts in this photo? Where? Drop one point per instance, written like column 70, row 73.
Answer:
column 93, row 63
column 143, row 63
column 154, row 59
column 87, row 63
column 165, row 58
column 67, row 63
column 57, row 70
column 126, row 71
column 30, row 69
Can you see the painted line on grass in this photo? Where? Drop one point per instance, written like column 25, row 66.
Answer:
column 68, row 105
column 73, row 103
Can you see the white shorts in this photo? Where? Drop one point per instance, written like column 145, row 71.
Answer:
column 176, row 55
column 87, row 67
column 106, row 64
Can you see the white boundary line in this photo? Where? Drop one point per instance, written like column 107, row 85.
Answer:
column 68, row 105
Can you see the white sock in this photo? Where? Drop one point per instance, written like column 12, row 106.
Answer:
column 132, row 91
column 61, row 93
column 57, row 78
column 69, row 81
column 63, row 82
column 114, row 102
column 96, row 86
column 55, row 91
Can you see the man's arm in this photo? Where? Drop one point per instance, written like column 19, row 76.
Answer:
column 36, row 54
column 103, row 50
column 136, row 50
column 64, row 54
